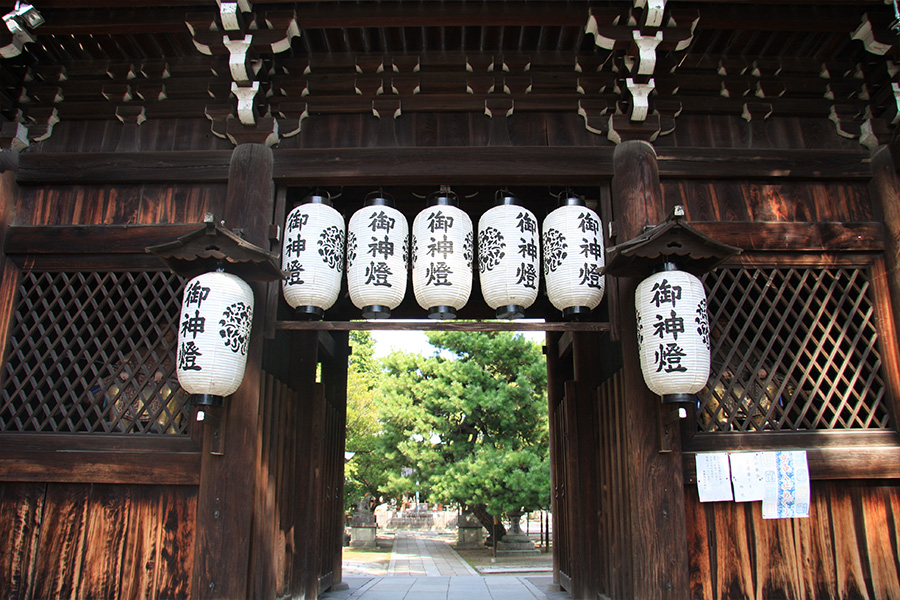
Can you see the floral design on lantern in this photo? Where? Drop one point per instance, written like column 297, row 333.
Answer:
column 509, row 257
column 351, row 249
column 210, row 359
column 312, row 257
column 554, row 249
column 490, row 248
column 377, row 283
column 235, row 326
column 331, row 247
column 442, row 257
column 675, row 354
column 573, row 258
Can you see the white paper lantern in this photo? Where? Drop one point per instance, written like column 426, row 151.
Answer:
column 443, row 246
column 377, row 258
column 673, row 334
column 213, row 336
column 572, row 240
column 312, row 256
column 509, row 257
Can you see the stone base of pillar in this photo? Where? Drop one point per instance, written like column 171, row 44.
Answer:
column 363, row 537
column 470, row 537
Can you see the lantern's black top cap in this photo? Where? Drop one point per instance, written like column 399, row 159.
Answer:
column 443, row 199
column 571, row 200
column 504, row 197
column 316, row 198
column 380, row 200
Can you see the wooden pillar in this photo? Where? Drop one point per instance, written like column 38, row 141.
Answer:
column 554, row 391
column 657, row 516
column 303, row 570
column 334, row 376
column 885, row 192
column 225, row 506
column 11, row 141
column 583, row 448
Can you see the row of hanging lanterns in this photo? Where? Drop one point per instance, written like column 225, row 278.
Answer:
column 671, row 307
column 441, row 251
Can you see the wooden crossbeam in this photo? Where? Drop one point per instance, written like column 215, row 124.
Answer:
column 536, row 165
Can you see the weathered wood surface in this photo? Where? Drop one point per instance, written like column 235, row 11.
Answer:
column 615, row 570
column 110, row 204
column 389, row 325
column 92, row 239
column 796, row 236
column 654, row 477
column 831, row 455
column 225, row 505
column 162, row 460
column 482, row 165
column 770, row 201
column 847, row 548
column 95, row 541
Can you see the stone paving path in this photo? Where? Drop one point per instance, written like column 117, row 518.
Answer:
column 424, row 567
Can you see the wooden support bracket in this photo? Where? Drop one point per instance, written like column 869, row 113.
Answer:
column 214, row 420
column 668, row 426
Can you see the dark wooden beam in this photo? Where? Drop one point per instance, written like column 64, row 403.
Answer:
column 389, row 325
column 332, row 5
column 831, row 454
column 531, row 165
column 797, row 237
column 112, row 167
column 90, row 239
column 62, row 16
column 155, row 460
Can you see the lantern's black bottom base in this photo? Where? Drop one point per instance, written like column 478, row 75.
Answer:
column 441, row 312
column 206, row 400
column 510, row 311
column 573, row 312
column 376, row 311
column 675, row 398
column 309, row 313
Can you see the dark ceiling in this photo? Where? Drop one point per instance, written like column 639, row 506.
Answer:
column 90, row 55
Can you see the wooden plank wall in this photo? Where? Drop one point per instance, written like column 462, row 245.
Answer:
column 770, row 201
column 615, row 570
column 96, row 541
column 847, row 548
column 850, row 545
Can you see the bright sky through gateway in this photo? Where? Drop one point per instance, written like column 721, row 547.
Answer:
column 416, row 342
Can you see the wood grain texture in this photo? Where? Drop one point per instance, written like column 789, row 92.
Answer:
column 96, row 541
column 656, row 511
column 344, row 162
column 123, row 204
column 21, row 517
column 729, row 200
column 847, row 548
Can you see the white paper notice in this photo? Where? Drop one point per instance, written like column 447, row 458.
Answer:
column 747, row 476
column 713, row 479
column 786, row 477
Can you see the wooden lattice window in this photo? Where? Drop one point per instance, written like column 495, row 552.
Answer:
column 793, row 349
column 94, row 352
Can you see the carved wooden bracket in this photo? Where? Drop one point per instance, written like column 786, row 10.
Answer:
column 637, row 41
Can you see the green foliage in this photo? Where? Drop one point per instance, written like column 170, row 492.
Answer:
column 366, row 472
column 474, row 426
